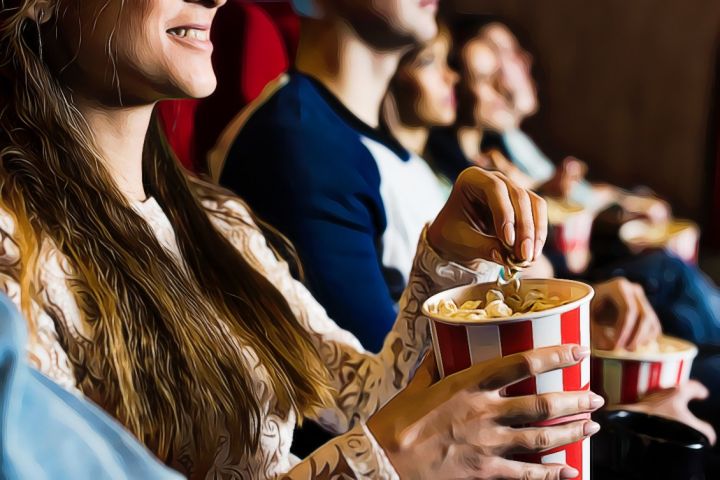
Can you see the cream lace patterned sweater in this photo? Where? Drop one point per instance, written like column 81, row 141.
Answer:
column 364, row 381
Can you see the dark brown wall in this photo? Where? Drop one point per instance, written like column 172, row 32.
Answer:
column 626, row 85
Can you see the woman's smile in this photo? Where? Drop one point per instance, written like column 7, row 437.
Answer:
column 194, row 36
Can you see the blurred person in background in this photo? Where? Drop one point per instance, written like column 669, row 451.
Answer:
column 486, row 105
column 421, row 95
column 496, row 93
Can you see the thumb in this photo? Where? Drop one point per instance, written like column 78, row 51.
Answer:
column 694, row 390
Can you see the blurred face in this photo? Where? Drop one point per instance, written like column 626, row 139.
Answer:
column 132, row 51
column 515, row 66
column 426, row 87
column 388, row 24
column 481, row 80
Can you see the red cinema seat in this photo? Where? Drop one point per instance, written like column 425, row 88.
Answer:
column 177, row 119
column 286, row 20
column 249, row 53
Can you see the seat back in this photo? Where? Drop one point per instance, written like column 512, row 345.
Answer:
column 249, row 53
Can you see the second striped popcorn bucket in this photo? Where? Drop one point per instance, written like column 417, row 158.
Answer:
column 460, row 343
column 626, row 377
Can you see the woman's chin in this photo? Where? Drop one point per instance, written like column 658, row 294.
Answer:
column 196, row 88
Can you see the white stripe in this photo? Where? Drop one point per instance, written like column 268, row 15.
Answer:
column 643, row 378
column 484, row 342
column 669, row 373
column 612, row 380
column 547, row 332
column 557, row 457
column 586, row 459
column 585, row 341
column 686, row 370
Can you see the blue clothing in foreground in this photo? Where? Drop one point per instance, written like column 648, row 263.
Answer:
column 48, row 433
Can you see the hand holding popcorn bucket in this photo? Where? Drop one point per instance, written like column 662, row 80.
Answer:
column 558, row 313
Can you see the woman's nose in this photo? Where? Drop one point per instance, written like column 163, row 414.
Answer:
column 451, row 76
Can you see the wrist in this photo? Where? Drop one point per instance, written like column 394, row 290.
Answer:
column 384, row 435
column 445, row 249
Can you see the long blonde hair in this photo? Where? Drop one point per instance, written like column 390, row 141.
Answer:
column 167, row 341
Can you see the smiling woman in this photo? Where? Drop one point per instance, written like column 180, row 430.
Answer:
column 158, row 296
column 87, row 194
column 158, row 48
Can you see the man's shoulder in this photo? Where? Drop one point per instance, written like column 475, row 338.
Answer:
column 296, row 132
column 296, row 110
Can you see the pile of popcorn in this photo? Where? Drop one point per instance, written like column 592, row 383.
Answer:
column 497, row 306
column 661, row 345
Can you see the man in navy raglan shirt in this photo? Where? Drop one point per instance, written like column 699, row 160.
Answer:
column 351, row 199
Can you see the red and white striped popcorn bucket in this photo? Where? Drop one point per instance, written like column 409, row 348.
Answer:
column 626, row 377
column 571, row 230
column 461, row 343
column 680, row 237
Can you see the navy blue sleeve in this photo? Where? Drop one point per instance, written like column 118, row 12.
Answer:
column 323, row 194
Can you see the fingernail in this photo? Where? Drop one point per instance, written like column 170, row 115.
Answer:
column 569, row 472
column 596, row 401
column 580, row 352
column 496, row 257
column 526, row 249
column 590, row 428
column 538, row 248
column 509, row 233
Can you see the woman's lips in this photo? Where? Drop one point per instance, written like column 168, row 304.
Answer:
column 197, row 36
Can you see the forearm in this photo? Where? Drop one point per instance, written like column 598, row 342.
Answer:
column 366, row 382
column 355, row 454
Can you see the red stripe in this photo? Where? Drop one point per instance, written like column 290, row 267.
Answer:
column 680, row 372
column 515, row 338
column 560, row 242
column 573, row 458
column 654, row 382
column 570, row 333
column 454, row 350
column 630, row 377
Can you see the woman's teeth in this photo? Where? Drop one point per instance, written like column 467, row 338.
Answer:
column 191, row 33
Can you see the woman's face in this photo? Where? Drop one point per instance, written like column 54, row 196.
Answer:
column 428, row 86
column 129, row 52
column 492, row 107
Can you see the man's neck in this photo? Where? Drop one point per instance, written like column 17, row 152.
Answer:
column 413, row 138
column 119, row 135
column 470, row 139
column 352, row 70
